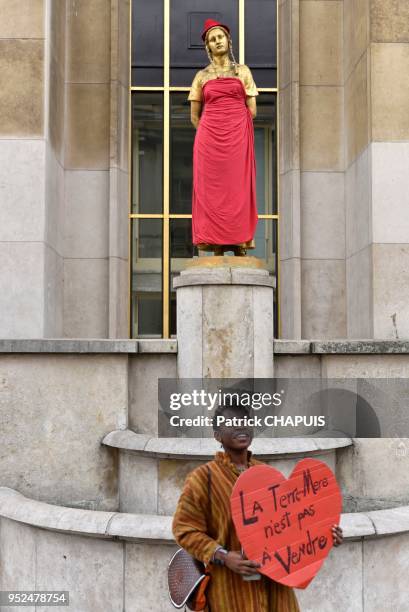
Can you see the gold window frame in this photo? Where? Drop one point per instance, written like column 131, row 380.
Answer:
column 166, row 215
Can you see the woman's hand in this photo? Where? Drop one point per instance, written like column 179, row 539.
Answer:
column 195, row 112
column 235, row 562
column 337, row 535
column 252, row 106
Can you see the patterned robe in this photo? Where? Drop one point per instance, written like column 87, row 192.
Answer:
column 201, row 525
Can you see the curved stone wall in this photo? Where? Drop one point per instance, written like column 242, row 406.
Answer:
column 117, row 562
column 165, row 463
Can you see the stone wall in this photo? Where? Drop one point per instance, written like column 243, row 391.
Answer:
column 60, row 399
column 312, row 217
column 56, row 407
column 55, row 410
column 64, row 132
column 87, row 165
column 376, row 54
column 24, row 248
column 389, row 45
column 64, row 177
column 343, row 159
column 117, row 562
column 69, row 412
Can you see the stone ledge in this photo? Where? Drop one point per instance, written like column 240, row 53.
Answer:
column 342, row 347
column 15, row 506
column 223, row 276
column 393, row 520
column 141, row 527
column 83, row 346
column 157, row 346
column 356, row 525
column 158, row 529
column 363, row 347
column 292, row 347
column 205, row 448
column 154, row 346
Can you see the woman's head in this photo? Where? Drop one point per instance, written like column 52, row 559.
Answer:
column 218, row 41
column 231, row 428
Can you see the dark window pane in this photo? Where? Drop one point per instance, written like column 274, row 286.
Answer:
column 147, row 152
column 147, row 42
column 181, row 151
column 181, row 246
column 149, row 308
column 173, row 317
column 187, row 52
column 181, row 250
column 265, row 77
column 266, row 153
column 147, row 77
column 183, row 77
column 146, row 304
column 265, row 243
column 261, row 41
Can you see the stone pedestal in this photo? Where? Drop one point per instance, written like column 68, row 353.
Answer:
column 225, row 319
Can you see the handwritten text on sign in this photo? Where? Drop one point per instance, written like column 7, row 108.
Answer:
column 285, row 524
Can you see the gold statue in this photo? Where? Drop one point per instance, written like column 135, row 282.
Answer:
column 223, row 106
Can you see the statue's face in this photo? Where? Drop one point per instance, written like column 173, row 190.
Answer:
column 217, row 41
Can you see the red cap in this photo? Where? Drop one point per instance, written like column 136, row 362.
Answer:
column 211, row 23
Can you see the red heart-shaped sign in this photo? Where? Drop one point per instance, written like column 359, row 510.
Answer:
column 285, row 524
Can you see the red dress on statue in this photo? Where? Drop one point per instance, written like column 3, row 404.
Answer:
column 224, row 209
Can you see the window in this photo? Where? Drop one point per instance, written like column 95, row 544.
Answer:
column 166, row 51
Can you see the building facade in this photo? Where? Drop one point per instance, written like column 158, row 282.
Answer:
column 94, row 227
column 340, row 255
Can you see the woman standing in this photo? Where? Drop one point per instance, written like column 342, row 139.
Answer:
column 203, row 526
column 223, row 105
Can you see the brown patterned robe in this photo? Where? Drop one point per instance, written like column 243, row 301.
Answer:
column 200, row 526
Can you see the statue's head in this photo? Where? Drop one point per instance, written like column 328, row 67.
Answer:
column 218, row 41
column 216, row 37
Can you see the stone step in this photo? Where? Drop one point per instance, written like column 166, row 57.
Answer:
column 152, row 470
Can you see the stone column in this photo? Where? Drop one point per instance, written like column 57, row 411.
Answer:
column 322, row 216
column 225, row 319
column 289, row 168
column 86, row 162
column 357, row 79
